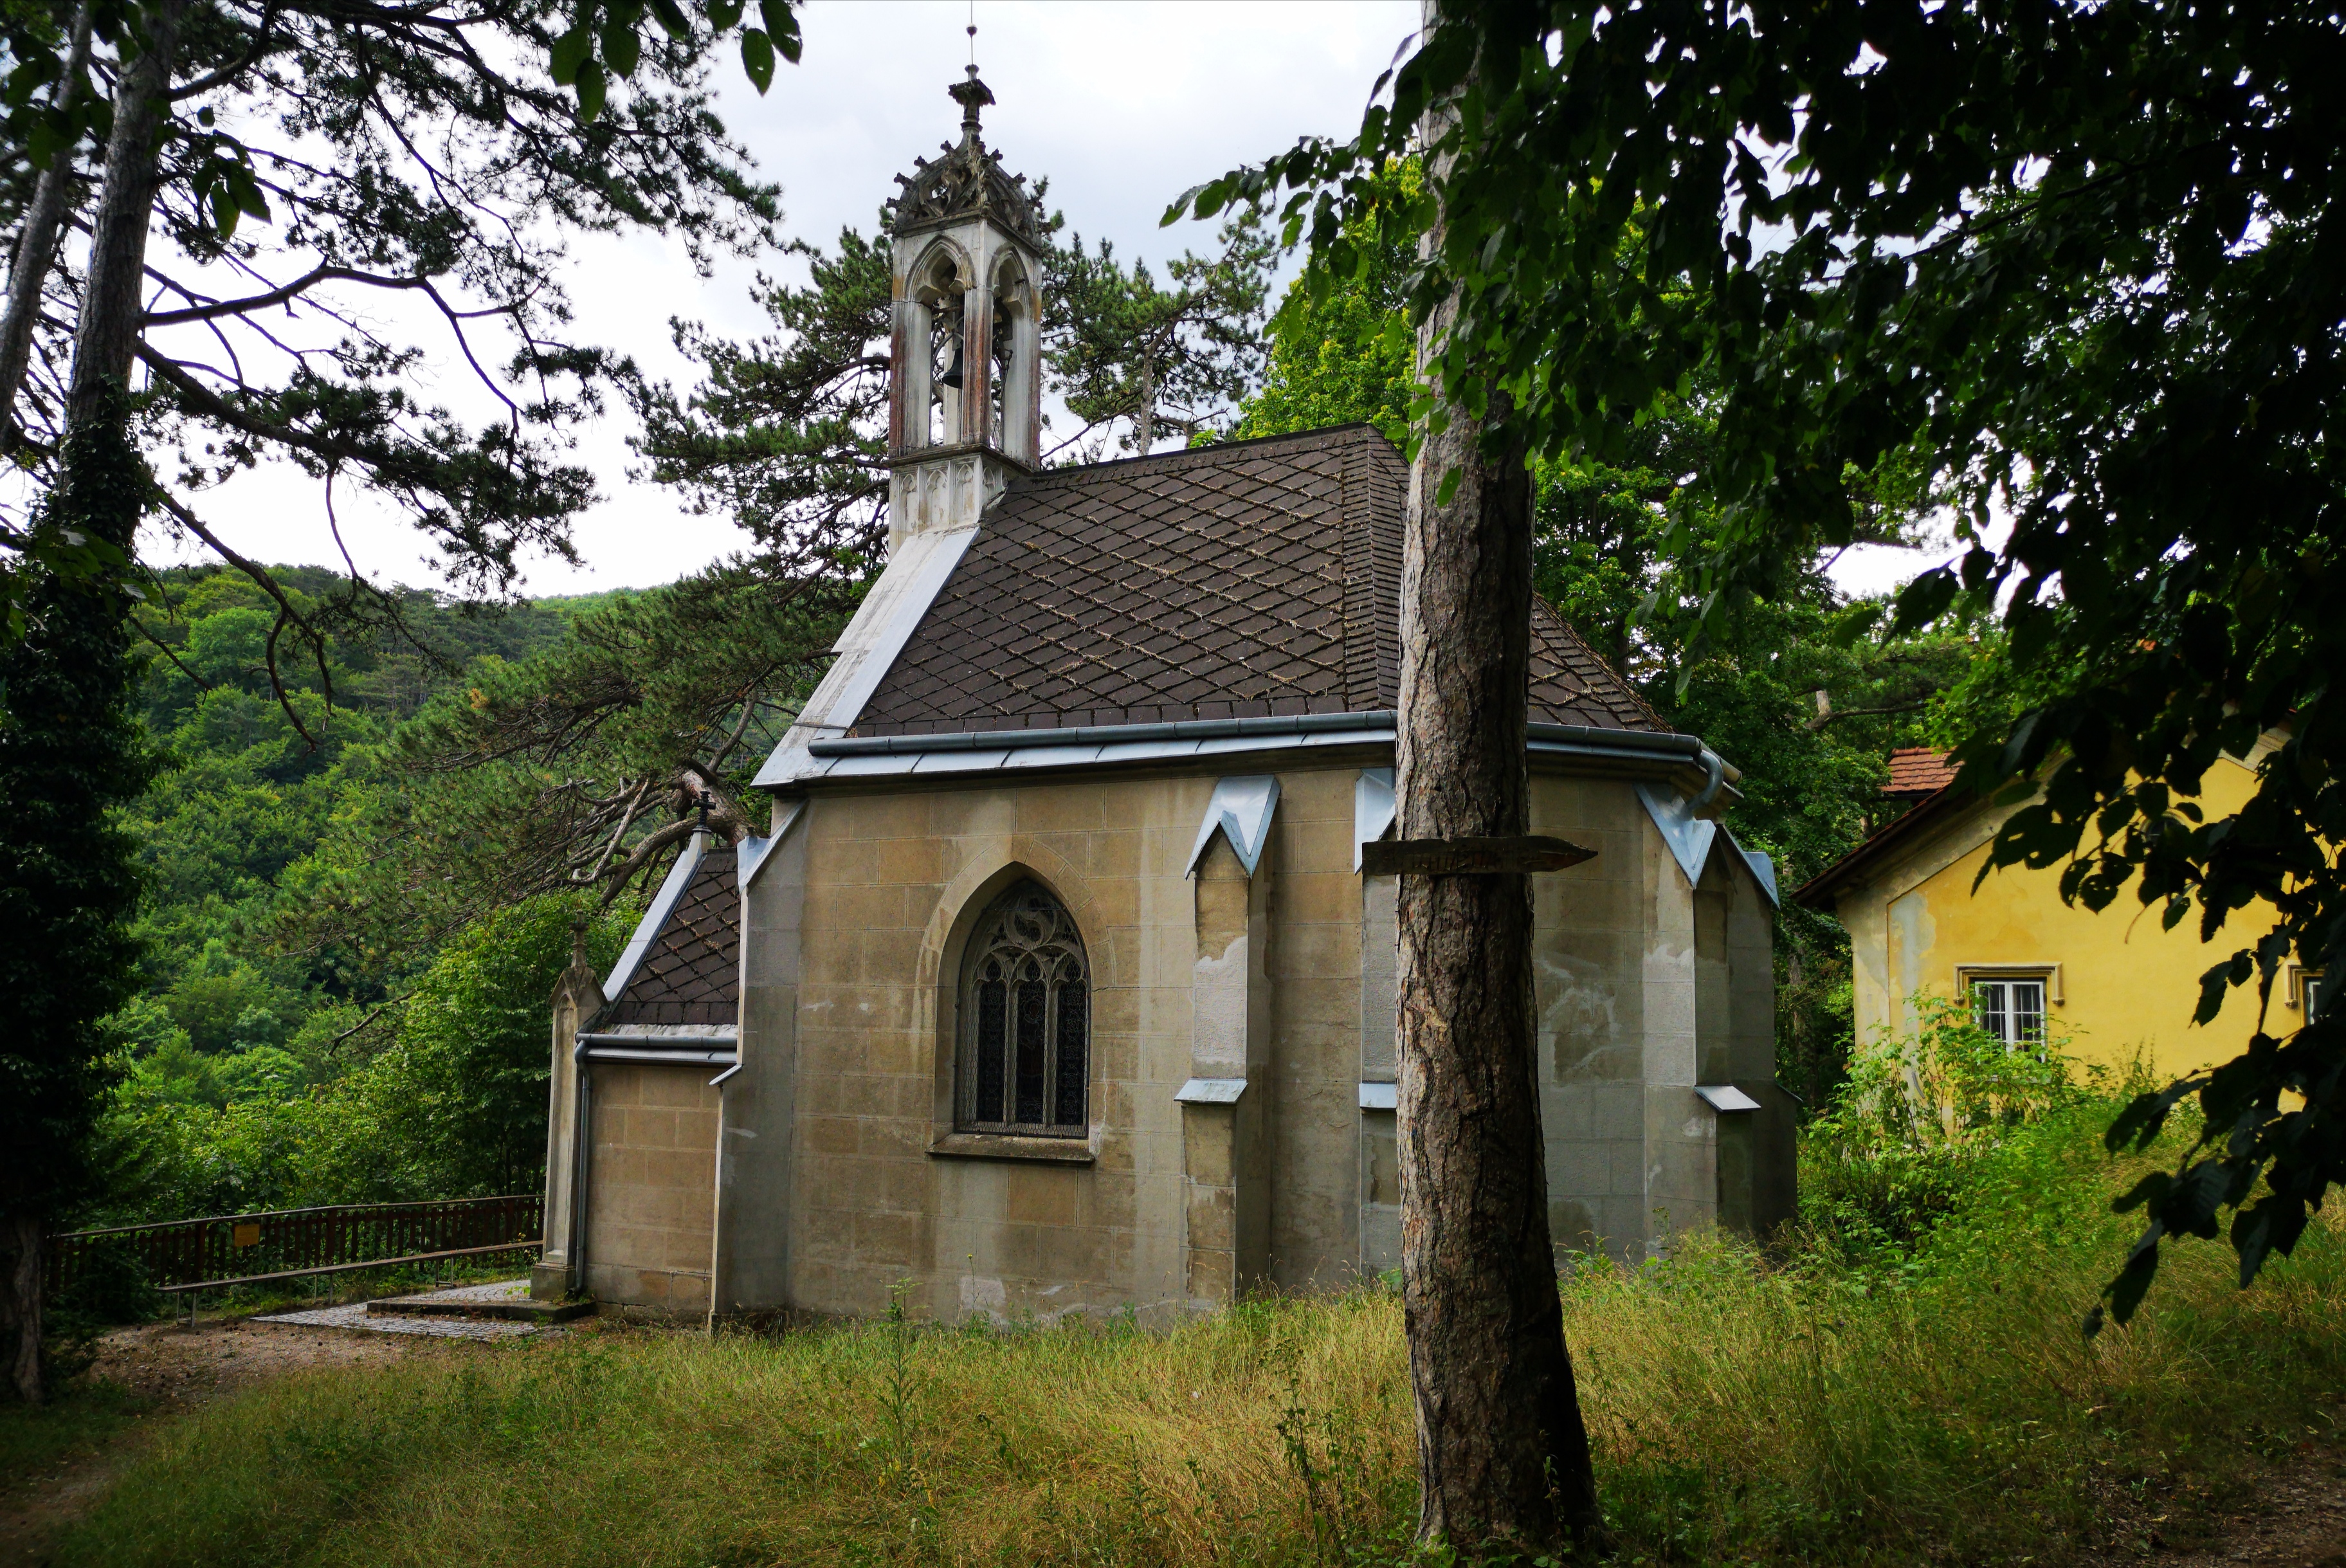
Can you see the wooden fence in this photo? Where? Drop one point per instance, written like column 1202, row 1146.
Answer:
column 252, row 1248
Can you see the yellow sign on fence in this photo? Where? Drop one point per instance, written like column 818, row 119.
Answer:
column 248, row 1234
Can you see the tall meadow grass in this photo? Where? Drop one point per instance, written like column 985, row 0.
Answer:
column 1744, row 1406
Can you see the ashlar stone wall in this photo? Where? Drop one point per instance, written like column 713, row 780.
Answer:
column 843, row 1181
column 882, row 1197
column 651, row 1179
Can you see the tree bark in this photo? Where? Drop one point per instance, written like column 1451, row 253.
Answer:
column 71, row 671
column 20, row 1311
column 37, row 247
column 106, row 338
column 1502, row 1455
column 1144, row 417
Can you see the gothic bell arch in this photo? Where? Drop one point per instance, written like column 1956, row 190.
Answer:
column 965, row 382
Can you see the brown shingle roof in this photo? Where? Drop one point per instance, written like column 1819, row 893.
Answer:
column 692, row 972
column 1916, row 771
column 1259, row 578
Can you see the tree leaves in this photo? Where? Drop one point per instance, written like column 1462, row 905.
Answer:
column 608, row 37
column 570, row 52
column 1158, row 359
column 2073, row 255
column 758, row 58
column 781, row 27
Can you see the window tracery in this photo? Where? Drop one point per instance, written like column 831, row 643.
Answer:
column 1025, row 1020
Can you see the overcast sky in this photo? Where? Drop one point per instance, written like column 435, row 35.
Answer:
column 1122, row 105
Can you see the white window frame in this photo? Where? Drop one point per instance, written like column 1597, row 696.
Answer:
column 2304, row 990
column 2044, row 979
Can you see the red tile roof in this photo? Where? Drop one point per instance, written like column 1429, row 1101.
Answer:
column 1918, row 776
column 1916, row 771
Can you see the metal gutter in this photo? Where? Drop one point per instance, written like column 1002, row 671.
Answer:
column 1101, row 734
column 582, row 1172
column 1687, row 747
column 683, row 1058
column 840, row 758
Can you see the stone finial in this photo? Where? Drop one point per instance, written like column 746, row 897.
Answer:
column 971, row 96
column 968, row 180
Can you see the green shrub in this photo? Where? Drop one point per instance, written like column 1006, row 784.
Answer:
column 1918, row 1119
column 109, row 1288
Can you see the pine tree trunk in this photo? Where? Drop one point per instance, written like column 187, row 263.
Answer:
column 69, row 750
column 36, row 248
column 1501, row 1452
column 1144, row 418
column 20, row 1311
column 106, row 338
column 71, row 756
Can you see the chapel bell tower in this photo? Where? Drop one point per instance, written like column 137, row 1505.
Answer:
column 965, row 398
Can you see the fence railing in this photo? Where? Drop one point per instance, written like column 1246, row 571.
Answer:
column 286, row 1244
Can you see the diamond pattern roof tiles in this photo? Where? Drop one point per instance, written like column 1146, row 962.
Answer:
column 692, row 972
column 1251, row 577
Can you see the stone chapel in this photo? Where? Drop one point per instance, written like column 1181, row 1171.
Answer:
column 1055, row 983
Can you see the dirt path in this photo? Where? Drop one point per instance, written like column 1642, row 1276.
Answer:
column 171, row 1371
column 2292, row 1514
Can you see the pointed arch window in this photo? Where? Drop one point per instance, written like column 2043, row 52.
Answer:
column 1025, row 1062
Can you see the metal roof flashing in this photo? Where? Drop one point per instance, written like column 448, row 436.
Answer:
column 916, row 572
column 1239, row 809
column 1691, row 838
column 1374, row 805
column 1678, row 761
column 752, row 852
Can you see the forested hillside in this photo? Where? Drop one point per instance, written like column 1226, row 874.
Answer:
column 275, row 1058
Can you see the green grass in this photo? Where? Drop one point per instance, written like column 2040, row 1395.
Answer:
column 38, row 1440
column 1943, row 1404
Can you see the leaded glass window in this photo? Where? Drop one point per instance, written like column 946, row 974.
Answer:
column 1025, row 1020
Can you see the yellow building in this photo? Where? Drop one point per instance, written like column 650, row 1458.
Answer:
column 2116, row 983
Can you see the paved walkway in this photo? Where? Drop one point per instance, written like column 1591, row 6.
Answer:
column 356, row 1316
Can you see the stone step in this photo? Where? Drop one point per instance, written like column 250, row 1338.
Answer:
column 512, row 1310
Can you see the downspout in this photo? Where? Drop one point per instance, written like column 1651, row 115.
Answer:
column 581, row 1147
column 1714, row 767
column 717, row 1194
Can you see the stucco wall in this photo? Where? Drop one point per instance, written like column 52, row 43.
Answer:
column 756, row 1199
column 648, row 1219
column 2125, row 984
column 1613, row 991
